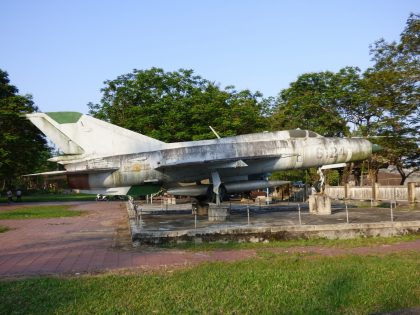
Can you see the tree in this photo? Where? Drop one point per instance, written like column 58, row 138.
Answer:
column 353, row 99
column 382, row 102
column 23, row 149
column 311, row 103
column 394, row 83
column 178, row 106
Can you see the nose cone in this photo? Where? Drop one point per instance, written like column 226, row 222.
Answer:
column 376, row 148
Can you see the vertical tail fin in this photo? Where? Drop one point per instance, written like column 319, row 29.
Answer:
column 76, row 133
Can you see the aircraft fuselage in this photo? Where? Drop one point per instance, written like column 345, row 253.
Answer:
column 232, row 157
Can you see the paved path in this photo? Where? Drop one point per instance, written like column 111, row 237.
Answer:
column 98, row 241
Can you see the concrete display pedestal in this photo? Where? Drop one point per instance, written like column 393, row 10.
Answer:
column 202, row 209
column 319, row 204
column 218, row 213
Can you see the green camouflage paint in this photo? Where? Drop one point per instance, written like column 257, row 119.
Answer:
column 143, row 190
column 65, row 117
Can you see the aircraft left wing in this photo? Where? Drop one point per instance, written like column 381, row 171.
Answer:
column 220, row 163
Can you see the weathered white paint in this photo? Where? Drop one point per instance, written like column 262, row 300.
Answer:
column 134, row 159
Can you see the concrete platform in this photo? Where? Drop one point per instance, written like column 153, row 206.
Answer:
column 265, row 223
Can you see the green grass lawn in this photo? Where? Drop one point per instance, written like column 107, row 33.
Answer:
column 356, row 242
column 39, row 212
column 53, row 197
column 3, row 229
column 268, row 284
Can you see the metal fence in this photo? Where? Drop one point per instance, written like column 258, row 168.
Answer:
column 178, row 218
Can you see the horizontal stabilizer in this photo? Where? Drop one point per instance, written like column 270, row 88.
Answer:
column 327, row 167
column 47, row 173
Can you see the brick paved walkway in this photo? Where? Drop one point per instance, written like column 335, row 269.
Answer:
column 84, row 244
column 98, row 241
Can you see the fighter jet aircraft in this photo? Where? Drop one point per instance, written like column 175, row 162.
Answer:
column 100, row 157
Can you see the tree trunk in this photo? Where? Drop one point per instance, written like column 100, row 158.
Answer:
column 402, row 174
column 346, row 174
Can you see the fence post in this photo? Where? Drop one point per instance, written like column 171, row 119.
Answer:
column 347, row 211
column 140, row 219
column 375, row 191
column 346, row 191
column 392, row 214
column 411, row 192
column 195, row 220
column 300, row 219
column 247, row 211
column 135, row 213
column 395, row 197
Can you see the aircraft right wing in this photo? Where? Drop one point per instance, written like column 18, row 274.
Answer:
column 76, row 172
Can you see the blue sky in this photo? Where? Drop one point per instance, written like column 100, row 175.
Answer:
column 62, row 51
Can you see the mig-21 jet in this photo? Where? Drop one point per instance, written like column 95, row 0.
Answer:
column 100, row 157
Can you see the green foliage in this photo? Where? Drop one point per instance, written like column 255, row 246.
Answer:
column 179, row 106
column 309, row 176
column 332, row 177
column 383, row 101
column 23, row 149
column 354, row 102
column 394, row 83
column 269, row 284
column 292, row 175
column 39, row 212
column 311, row 103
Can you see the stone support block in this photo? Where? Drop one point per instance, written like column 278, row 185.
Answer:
column 218, row 213
column 319, row 204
